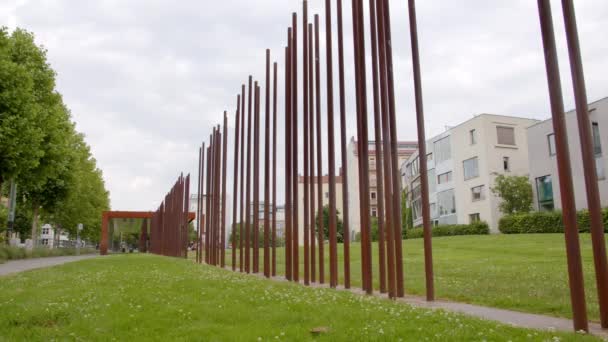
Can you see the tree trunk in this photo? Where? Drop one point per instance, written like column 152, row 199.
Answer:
column 34, row 226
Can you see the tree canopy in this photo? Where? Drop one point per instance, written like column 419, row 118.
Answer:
column 57, row 176
column 515, row 192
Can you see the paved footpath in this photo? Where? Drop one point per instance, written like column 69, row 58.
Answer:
column 509, row 317
column 16, row 266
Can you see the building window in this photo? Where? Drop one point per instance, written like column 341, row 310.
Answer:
column 471, row 168
column 373, row 195
column 327, row 195
column 433, row 209
column 432, row 181
column 45, row 241
column 374, row 212
column 444, row 178
column 474, row 218
column 597, row 143
column 506, row 135
column 477, row 193
column 544, row 188
column 506, row 166
column 551, row 142
column 447, row 202
column 473, row 137
column 443, row 150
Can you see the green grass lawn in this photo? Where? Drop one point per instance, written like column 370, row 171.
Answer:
column 145, row 297
column 519, row 272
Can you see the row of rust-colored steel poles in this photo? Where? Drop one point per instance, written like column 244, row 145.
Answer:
column 245, row 231
column 211, row 208
column 390, row 255
column 169, row 223
column 573, row 253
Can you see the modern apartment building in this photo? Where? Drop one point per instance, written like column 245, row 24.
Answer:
column 325, row 186
column 405, row 150
column 543, row 164
column 462, row 165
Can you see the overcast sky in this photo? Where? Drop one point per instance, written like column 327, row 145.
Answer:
column 146, row 80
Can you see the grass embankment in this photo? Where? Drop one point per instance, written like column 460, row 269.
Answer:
column 15, row 253
column 145, row 297
column 519, row 272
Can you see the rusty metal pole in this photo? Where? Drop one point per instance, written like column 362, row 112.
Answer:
column 343, row 147
column 288, row 158
column 198, row 204
column 319, row 215
column 331, row 155
column 218, row 198
column 224, row 211
column 366, row 263
column 242, row 192
column 378, row 146
column 236, row 176
column 248, row 181
column 396, row 174
column 202, row 223
column 274, row 170
column 207, row 202
column 256, row 181
column 386, row 153
column 294, row 129
column 424, row 180
column 305, row 146
column 573, row 253
column 586, row 137
column 311, row 152
column 267, row 172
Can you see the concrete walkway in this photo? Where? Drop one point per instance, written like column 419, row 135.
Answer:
column 16, row 266
column 509, row 317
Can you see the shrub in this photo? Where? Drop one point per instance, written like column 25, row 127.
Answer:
column 477, row 228
column 545, row 222
column 14, row 253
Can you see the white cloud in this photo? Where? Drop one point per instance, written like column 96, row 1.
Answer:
column 147, row 80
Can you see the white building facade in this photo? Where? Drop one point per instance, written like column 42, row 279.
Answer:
column 463, row 163
column 543, row 164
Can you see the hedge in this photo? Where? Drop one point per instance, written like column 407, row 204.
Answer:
column 14, row 253
column 477, row 228
column 545, row 222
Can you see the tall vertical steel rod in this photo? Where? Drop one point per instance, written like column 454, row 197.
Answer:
column 256, row 181
column 288, row 159
column 424, row 180
column 248, row 182
column 573, row 253
column 331, row 154
column 387, row 155
column 311, row 151
column 294, row 113
column 366, row 263
column 396, row 175
column 343, row 147
column 208, row 203
column 274, row 170
column 236, row 176
column 305, row 147
column 267, row 227
column 584, row 128
column 198, row 205
column 319, row 215
column 224, row 211
column 242, row 192
column 378, row 147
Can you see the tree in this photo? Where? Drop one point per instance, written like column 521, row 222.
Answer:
column 280, row 242
column 25, row 82
column 515, row 192
column 339, row 228
column 86, row 197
